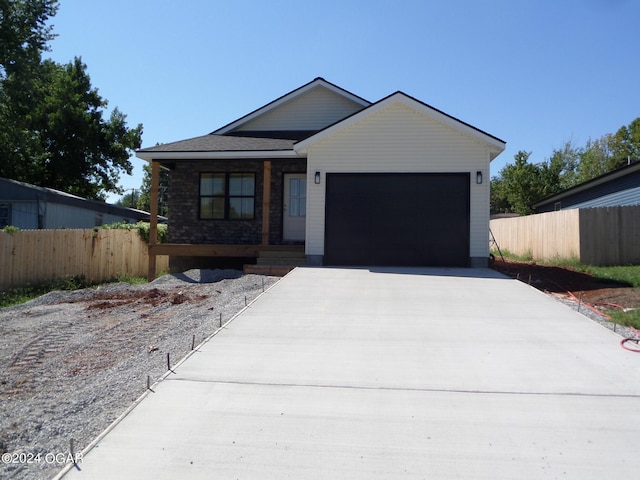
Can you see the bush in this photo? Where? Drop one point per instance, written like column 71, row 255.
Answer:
column 10, row 229
column 142, row 228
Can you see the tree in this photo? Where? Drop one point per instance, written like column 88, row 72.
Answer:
column 129, row 200
column 24, row 34
column 23, row 37
column 626, row 144
column 52, row 127
column 596, row 158
column 520, row 184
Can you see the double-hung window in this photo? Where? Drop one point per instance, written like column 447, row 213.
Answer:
column 227, row 196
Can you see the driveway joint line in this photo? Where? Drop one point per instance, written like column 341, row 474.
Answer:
column 411, row 389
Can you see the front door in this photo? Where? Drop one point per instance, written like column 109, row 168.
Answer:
column 295, row 206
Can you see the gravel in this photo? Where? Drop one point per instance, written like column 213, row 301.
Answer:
column 72, row 362
column 624, row 332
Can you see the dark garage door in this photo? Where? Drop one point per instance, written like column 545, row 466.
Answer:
column 397, row 219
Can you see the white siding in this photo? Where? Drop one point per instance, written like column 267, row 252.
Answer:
column 399, row 139
column 313, row 110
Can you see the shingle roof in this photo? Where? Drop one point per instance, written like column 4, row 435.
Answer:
column 223, row 143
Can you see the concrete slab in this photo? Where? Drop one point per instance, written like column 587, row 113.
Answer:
column 384, row 373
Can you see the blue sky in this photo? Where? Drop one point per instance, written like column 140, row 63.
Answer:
column 535, row 73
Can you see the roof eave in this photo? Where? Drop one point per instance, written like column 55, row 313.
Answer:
column 150, row 156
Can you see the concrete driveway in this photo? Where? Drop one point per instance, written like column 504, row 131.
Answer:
column 390, row 373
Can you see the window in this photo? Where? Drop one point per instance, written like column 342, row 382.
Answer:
column 5, row 215
column 297, row 197
column 227, row 196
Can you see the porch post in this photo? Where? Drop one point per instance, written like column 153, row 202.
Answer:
column 153, row 220
column 266, row 201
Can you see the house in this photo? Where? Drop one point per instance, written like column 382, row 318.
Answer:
column 29, row 207
column 391, row 183
column 620, row 187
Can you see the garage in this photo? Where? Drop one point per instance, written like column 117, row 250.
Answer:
column 397, row 219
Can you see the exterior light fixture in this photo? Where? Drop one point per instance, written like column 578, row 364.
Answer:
column 317, row 178
column 479, row 177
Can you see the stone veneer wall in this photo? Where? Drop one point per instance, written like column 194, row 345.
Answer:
column 186, row 227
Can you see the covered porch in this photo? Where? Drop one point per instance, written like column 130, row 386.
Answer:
column 267, row 254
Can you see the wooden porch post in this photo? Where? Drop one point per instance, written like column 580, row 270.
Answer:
column 266, row 201
column 153, row 221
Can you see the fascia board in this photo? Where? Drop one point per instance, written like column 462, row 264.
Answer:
column 150, row 156
column 286, row 98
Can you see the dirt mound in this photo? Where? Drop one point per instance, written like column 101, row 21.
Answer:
column 562, row 280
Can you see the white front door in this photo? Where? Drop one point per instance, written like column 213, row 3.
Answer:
column 295, row 206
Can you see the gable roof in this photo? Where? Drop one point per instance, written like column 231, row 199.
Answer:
column 318, row 82
column 495, row 144
column 14, row 190
column 240, row 139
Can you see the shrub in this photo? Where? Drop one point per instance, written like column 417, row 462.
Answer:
column 10, row 229
column 142, row 228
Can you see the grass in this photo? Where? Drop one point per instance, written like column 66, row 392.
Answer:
column 629, row 319
column 16, row 296
column 625, row 274
column 629, row 274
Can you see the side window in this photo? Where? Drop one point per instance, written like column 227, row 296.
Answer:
column 241, row 195
column 212, row 195
column 227, row 196
column 5, row 215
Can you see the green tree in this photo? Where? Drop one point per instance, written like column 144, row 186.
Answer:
column 23, row 37
column 24, row 34
column 53, row 130
column 129, row 200
column 499, row 202
column 521, row 184
column 596, row 159
column 626, row 144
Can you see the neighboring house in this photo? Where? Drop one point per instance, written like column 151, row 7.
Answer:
column 391, row 183
column 30, row 207
column 620, row 187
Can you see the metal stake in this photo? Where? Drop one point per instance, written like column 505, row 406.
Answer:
column 168, row 362
column 148, row 382
column 580, row 301
column 220, row 320
column 193, row 342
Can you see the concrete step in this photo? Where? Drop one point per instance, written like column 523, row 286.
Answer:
column 282, row 261
column 274, row 270
column 294, row 252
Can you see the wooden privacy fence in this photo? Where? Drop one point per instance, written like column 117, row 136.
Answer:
column 35, row 256
column 593, row 236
